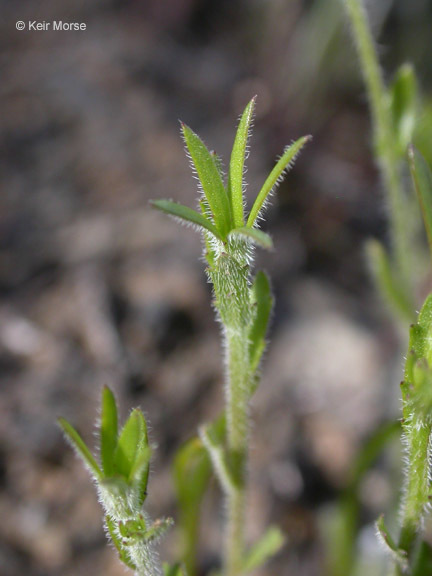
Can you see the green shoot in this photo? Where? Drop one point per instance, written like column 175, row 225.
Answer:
column 243, row 307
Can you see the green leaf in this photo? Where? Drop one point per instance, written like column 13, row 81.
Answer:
column 236, row 169
column 254, row 235
column 80, row 448
column 341, row 522
column 211, row 181
column 276, row 176
column 262, row 300
column 213, row 438
column 139, row 474
column 108, row 431
column 132, row 444
column 398, row 555
column 421, row 334
column 172, row 570
column 158, row 529
column 390, row 289
column 192, row 472
column 264, row 549
column 187, row 214
column 422, row 179
column 403, row 104
column 116, row 540
column 423, row 562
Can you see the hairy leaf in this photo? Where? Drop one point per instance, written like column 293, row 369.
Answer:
column 236, row 169
column 187, row 214
column 108, row 431
column 213, row 438
column 211, row 181
column 262, row 300
column 398, row 555
column 116, row 540
column 131, row 444
column 80, row 447
column 276, row 176
column 254, row 235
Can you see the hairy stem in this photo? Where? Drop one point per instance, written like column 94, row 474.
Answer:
column 385, row 142
column 237, row 397
column 416, row 489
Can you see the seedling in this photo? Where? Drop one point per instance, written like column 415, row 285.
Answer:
column 243, row 305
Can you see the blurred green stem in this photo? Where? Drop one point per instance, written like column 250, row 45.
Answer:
column 384, row 139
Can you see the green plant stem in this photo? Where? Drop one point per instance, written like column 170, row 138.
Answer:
column 237, row 392
column 384, row 138
column 416, row 489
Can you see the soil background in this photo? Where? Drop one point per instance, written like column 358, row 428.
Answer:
column 96, row 288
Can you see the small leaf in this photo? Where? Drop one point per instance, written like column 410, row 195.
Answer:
column 236, row 170
column 116, row 540
column 211, row 181
column 264, row 549
column 262, row 300
column 108, row 431
column 421, row 333
column 398, row 555
column 423, row 562
column 158, row 529
column 172, row 570
column 389, row 287
column 131, row 444
column 276, row 175
column 403, row 104
column 254, row 235
column 80, row 447
column 139, row 474
column 213, row 439
column 187, row 214
column 192, row 471
column 422, row 179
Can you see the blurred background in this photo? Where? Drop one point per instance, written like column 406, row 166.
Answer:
column 96, row 289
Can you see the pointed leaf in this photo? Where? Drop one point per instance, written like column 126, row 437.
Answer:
column 158, row 529
column 192, row 471
column 254, row 235
column 211, row 181
column 187, row 214
column 423, row 562
column 80, row 447
column 108, row 431
column 262, row 300
column 116, row 540
column 422, row 179
column 276, row 175
column 388, row 286
column 403, row 104
column 139, row 474
column 398, row 555
column 131, row 444
column 264, row 549
column 236, row 169
column 213, row 438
